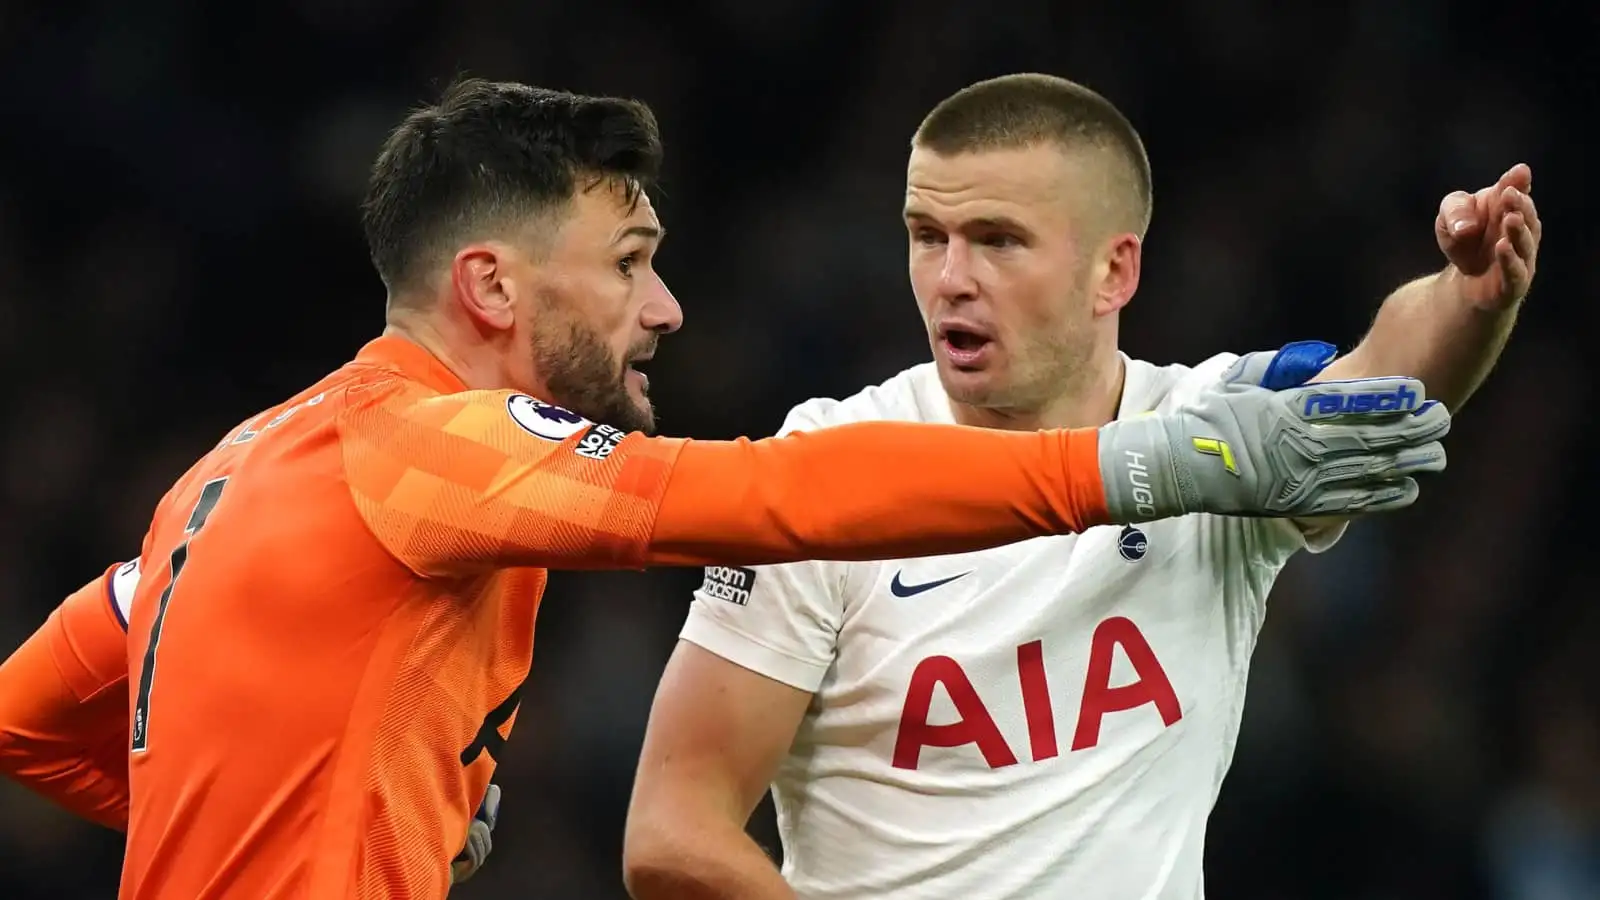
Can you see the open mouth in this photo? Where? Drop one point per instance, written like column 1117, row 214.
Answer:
column 632, row 373
column 962, row 345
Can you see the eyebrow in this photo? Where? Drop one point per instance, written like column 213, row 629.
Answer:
column 649, row 232
column 1001, row 223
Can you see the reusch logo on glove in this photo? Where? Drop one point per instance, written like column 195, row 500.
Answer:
column 1397, row 400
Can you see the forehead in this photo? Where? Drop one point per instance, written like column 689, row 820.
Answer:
column 608, row 203
column 603, row 214
column 1017, row 183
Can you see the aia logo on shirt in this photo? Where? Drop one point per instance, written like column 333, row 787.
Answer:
column 541, row 419
column 1148, row 699
column 1132, row 544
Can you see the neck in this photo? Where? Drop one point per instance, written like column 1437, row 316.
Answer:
column 465, row 354
column 1091, row 400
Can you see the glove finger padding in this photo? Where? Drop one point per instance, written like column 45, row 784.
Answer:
column 1392, row 434
column 1364, row 399
column 1349, row 501
column 1349, row 478
column 1429, row 458
column 1384, row 466
column 1344, row 417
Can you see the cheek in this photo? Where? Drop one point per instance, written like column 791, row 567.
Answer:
column 924, row 285
column 603, row 308
column 628, row 329
column 1026, row 302
column 624, row 342
column 616, row 304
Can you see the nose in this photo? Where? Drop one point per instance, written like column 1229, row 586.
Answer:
column 661, row 313
column 955, row 275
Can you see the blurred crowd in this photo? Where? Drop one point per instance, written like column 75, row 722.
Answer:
column 179, row 247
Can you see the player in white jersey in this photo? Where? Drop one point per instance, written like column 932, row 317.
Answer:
column 1053, row 718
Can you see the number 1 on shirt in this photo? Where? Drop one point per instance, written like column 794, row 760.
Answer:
column 209, row 495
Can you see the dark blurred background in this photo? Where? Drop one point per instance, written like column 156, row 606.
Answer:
column 179, row 247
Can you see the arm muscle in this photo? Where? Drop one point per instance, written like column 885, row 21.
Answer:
column 717, row 734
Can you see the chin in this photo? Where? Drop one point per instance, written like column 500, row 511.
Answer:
column 970, row 386
column 641, row 415
column 646, row 423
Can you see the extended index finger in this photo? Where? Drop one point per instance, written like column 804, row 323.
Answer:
column 1519, row 176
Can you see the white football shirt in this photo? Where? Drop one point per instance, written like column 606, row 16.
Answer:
column 1049, row 719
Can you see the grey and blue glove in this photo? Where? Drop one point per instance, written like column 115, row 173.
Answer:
column 480, row 838
column 1263, row 442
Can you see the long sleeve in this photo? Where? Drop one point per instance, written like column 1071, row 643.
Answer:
column 64, row 707
column 455, row 483
column 874, row 490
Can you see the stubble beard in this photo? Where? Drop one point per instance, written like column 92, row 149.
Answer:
column 584, row 377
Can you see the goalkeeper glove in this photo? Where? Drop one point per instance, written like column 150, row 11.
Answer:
column 480, row 838
column 1262, row 442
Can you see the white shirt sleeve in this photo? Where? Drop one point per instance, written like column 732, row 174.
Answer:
column 781, row 621
column 784, row 622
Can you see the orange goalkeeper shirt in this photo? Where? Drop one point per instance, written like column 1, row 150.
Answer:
column 335, row 617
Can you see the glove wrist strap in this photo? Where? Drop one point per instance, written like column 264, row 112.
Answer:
column 1136, row 465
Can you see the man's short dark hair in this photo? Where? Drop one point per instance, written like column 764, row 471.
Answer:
column 1017, row 111
column 490, row 156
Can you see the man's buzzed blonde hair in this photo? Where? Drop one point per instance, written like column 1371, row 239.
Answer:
column 1014, row 112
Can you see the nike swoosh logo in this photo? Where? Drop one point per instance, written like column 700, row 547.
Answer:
column 901, row 589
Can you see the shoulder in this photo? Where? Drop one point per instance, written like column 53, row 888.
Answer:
column 909, row 396
column 366, row 387
column 1158, row 388
column 379, row 407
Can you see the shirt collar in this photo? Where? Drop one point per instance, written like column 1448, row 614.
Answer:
column 412, row 360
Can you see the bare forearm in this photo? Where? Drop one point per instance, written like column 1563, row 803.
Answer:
column 1426, row 329
column 717, row 735
column 720, row 862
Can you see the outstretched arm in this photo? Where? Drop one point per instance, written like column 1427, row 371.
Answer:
column 455, row 484
column 1447, row 329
